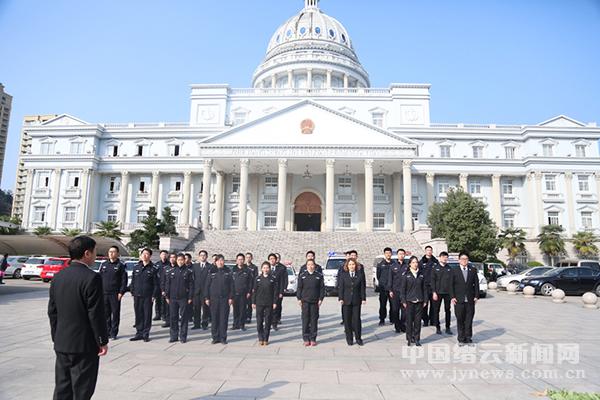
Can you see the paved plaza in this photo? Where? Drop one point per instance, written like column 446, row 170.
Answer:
column 382, row 369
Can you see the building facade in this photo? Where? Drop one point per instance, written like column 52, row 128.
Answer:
column 5, row 107
column 310, row 146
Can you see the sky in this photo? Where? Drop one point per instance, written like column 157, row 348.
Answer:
column 488, row 61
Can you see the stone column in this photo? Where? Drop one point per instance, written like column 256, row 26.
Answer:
column 219, row 200
column 281, row 194
column 597, row 176
column 329, row 72
column 430, row 179
column 27, row 200
column 187, row 194
column 368, row 195
column 123, row 200
column 570, row 205
column 496, row 200
column 85, row 200
column 463, row 180
column 90, row 201
column 407, row 181
column 154, row 191
column 273, row 81
column 206, row 174
column 309, row 78
column 397, row 193
column 243, row 205
column 290, row 79
column 55, row 195
column 329, row 195
column 345, row 81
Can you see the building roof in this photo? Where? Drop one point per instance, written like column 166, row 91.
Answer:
column 51, row 245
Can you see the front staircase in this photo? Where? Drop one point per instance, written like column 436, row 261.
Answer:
column 293, row 245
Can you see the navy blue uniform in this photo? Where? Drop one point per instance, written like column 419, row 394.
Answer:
column 414, row 294
column 219, row 291
column 427, row 265
column 242, row 289
column 280, row 272
column 394, row 285
column 265, row 294
column 160, row 305
column 255, row 273
column 179, row 289
column 145, row 284
column 114, row 283
column 382, row 272
column 440, row 284
column 311, row 291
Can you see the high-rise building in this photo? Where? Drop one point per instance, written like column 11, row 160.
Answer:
column 5, row 107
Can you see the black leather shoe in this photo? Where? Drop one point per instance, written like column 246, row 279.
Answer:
column 426, row 323
column 243, row 328
column 204, row 328
column 146, row 339
column 418, row 343
column 172, row 340
column 381, row 323
column 438, row 331
column 215, row 342
column 409, row 343
column 224, row 341
column 135, row 338
column 359, row 342
column 449, row 331
column 156, row 319
column 183, row 340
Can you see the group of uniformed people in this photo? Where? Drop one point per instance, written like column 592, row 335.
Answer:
column 203, row 293
column 415, row 290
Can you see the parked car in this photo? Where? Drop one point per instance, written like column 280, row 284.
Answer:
column 503, row 281
column 330, row 272
column 593, row 264
column 53, row 266
column 15, row 266
column 572, row 280
column 129, row 266
column 32, row 268
column 482, row 280
column 498, row 268
column 292, row 280
column 97, row 264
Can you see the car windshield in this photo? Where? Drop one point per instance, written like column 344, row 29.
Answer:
column 335, row 263
column 552, row 272
column 536, row 271
column 55, row 262
column 11, row 259
column 35, row 261
column 129, row 265
column 592, row 264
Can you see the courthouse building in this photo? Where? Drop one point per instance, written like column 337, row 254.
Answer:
column 309, row 146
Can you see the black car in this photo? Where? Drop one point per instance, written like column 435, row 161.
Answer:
column 572, row 280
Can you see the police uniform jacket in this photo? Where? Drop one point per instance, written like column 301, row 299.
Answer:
column 219, row 285
column 413, row 287
column 114, row 277
column 242, row 281
column 179, row 284
column 145, row 281
column 441, row 277
column 265, row 291
column 311, row 287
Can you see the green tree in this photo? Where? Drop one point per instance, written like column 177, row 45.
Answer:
column 465, row 224
column 71, row 232
column 584, row 244
column 168, row 226
column 6, row 200
column 513, row 240
column 42, row 231
column 551, row 241
column 147, row 236
column 12, row 220
column 109, row 229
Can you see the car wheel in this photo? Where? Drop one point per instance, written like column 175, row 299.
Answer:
column 27, row 278
column 597, row 290
column 46, row 280
column 517, row 283
column 17, row 274
column 482, row 295
column 547, row 289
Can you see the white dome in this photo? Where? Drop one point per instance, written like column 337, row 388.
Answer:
column 311, row 40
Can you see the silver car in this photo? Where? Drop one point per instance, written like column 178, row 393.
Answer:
column 15, row 266
column 292, row 280
column 503, row 281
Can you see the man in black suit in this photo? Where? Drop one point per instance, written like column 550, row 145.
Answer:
column 201, row 269
column 77, row 323
column 464, row 291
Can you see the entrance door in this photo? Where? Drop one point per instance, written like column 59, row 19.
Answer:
column 307, row 213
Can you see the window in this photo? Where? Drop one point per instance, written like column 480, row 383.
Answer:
column 70, row 214
column 378, row 185
column 553, row 218
column 586, row 219
column 111, row 215
column 477, row 151
column 345, row 220
column 39, row 214
column 76, row 147
column 271, row 184
column 176, row 184
column 43, row 180
column 345, row 185
column 584, row 183
column 141, row 150
column 141, row 216
column 508, row 221
column 174, row 150
column 73, row 179
column 475, row 186
column 270, row 219
column 548, row 150
column 235, row 184
column 580, row 150
column 378, row 220
column 144, row 184
column 550, row 182
column 47, row 148
column 378, row 119
column 443, row 187
column 445, row 151
column 239, row 117
column 507, row 187
column 235, row 218
column 509, row 153
column 113, row 150
column 114, row 184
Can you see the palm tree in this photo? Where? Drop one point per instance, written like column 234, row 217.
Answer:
column 513, row 240
column 109, row 229
column 551, row 241
column 584, row 244
column 42, row 231
column 71, row 232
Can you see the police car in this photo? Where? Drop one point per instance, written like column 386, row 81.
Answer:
column 335, row 261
